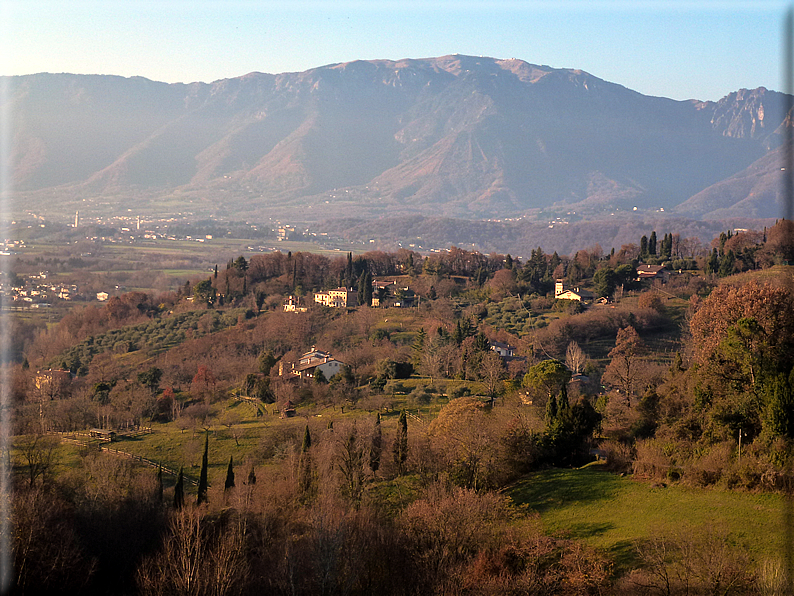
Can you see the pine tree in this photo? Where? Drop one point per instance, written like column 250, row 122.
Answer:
column 458, row 336
column 229, row 475
column 202, row 487
column 179, row 490
column 376, row 447
column 400, row 450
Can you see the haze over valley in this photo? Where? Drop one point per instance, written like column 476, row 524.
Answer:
column 459, row 137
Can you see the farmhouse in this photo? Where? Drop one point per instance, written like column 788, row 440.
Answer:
column 504, row 350
column 562, row 292
column 314, row 360
column 652, row 272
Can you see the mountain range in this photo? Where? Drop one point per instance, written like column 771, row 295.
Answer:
column 455, row 136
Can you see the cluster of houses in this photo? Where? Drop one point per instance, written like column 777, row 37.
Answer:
column 389, row 293
column 644, row 272
column 385, row 293
column 36, row 290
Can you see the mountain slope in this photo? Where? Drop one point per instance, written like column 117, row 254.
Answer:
column 457, row 135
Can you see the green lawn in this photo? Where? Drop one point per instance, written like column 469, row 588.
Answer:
column 613, row 513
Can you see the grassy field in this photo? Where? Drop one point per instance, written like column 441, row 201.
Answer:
column 613, row 513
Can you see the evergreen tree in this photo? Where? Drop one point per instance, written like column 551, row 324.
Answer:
column 481, row 342
column 643, row 247
column 713, row 264
column 368, row 290
column 779, row 419
column 400, row 449
column 551, row 410
column 349, row 271
column 458, row 335
column 362, row 289
column 251, row 476
column 652, row 244
column 727, row 264
column 306, row 470
column 179, row 490
column 562, row 401
column 229, row 475
column 215, row 275
column 307, row 440
column 202, row 487
column 418, row 347
column 376, row 446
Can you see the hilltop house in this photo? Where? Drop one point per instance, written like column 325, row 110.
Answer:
column 562, row 292
column 338, row 298
column 652, row 272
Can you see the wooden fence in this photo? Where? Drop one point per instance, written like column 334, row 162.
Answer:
column 132, row 456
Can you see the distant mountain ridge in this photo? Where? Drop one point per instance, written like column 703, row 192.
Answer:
column 457, row 136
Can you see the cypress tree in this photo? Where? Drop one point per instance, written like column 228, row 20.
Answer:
column 377, row 446
column 349, row 271
column 229, row 475
column 251, row 476
column 652, row 244
column 644, row 247
column 305, row 471
column 551, row 409
column 362, row 287
column 202, row 487
column 368, row 290
column 418, row 347
column 562, row 401
column 400, row 450
column 307, row 440
column 179, row 490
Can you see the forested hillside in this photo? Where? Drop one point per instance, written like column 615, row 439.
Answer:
column 459, row 374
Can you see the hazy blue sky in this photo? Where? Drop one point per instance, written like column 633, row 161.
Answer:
column 679, row 48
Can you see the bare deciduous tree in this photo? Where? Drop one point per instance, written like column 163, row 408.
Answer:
column 575, row 358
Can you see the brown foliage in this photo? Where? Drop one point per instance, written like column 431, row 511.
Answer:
column 771, row 307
